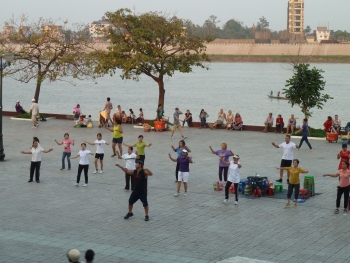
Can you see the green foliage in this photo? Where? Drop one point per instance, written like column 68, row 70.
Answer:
column 314, row 133
column 151, row 44
column 236, row 29
column 305, row 87
column 263, row 23
column 27, row 116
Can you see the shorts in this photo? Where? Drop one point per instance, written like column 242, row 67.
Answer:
column 117, row 140
column 219, row 122
column 286, row 163
column 183, row 176
column 178, row 126
column 99, row 156
column 135, row 196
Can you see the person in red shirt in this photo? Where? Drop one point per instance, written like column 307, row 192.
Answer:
column 343, row 155
column 279, row 124
column 328, row 124
column 343, row 187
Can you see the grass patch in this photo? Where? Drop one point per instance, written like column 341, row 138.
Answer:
column 27, row 116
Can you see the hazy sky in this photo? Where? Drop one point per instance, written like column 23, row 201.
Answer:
column 248, row 11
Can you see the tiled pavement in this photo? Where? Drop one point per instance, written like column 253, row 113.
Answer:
column 40, row 222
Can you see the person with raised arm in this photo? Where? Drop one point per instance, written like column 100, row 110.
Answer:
column 233, row 177
column 140, row 190
column 224, row 155
column 140, row 145
column 66, row 150
column 344, row 186
column 100, row 151
column 83, row 163
column 184, row 170
column 178, row 150
column 117, row 138
column 36, row 160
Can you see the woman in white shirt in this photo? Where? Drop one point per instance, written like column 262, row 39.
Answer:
column 36, row 160
column 233, row 178
column 130, row 164
column 83, row 163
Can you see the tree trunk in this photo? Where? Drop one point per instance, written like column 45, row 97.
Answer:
column 161, row 91
column 37, row 91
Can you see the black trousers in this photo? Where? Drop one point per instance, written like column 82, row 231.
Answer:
column 341, row 191
column 129, row 178
column 35, row 166
column 227, row 188
column 189, row 122
column 82, row 167
column 142, row 158
column 177, row 171
column 296, row 188
column 279, row 127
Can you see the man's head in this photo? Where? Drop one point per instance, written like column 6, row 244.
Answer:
column 287, row 138
column 33, row 100
column 176, row 109
column 73, row 255
column 99, row 136
column 139, row 164
column 18, row 101
column 159, row 105
column 140, row 138
column 108, row 99
column 89, row 255
column 130, row 149
column 305, row 120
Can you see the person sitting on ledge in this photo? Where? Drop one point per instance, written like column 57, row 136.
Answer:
column 292, row 123
column 337, row 124
column 188, row 119
column 268, row 122
column 124, row 117
column 238, row 122
column 229, row 120
column 203, row 118
column 220, row 120
column 279, row 124
column 19, row 108
column 140, row 118
column 328, row 125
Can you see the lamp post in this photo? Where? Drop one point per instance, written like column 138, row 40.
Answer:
column 5, row 60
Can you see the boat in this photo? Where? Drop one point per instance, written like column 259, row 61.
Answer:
column 277, row 97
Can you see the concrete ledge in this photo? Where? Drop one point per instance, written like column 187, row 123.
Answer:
column 22, row 119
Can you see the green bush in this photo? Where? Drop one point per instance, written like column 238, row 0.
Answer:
column 27, row 116
column 314, row 132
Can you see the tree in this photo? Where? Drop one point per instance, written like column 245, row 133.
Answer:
column 152, row 44
column 305, row 87
column 43, row 52
column 307, row 30
column 263, row 23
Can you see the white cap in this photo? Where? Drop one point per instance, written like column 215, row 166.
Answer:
column 33, row 99
column 184, row 151
column 236, row 156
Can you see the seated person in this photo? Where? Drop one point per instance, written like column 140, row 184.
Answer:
column 337, row 124
column 328, row 125
column 76, row 112
column 160, row 112
column 347, row 128
column 140, row 118
column 220, row 120
column 268, row 122
column 229, row 120
column 124, row 117
column 82, row 121
column 279, row 124
column 203, row 117
column 188, row 119
column 292, row 123
column 238, row 122
column 118, row 114
column 19, row 108
column 132, row 116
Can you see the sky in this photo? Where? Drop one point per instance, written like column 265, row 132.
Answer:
column 247, row 11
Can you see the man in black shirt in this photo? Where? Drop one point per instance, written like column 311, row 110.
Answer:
column 140, row 189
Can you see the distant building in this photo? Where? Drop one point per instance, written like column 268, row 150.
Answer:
column 53, row 31
column 322, row 33
column 7, row 32
column 310, row 38
column 96, row 28
column 295, row 21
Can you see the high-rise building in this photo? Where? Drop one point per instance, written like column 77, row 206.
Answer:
column 296, row 17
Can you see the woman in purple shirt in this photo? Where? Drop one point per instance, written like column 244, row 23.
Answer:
column 224, row 155
column 184, row 170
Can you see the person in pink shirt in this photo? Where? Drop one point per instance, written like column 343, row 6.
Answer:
column 66, row 150
column 344, row 185
column 269, row 122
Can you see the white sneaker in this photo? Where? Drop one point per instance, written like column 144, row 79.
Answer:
column 171, row 137
column 37, row 125
column 185, row 193
column 85, row 185
column 95, row 171
column 225, row 201
column 184, row 137
column 177, row 194
column 76, row 184
column 236, row 202
column 101, row 171
column 33, row 127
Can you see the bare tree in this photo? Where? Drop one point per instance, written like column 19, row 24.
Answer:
column 43, row 52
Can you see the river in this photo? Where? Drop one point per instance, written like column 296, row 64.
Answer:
column 240, row 87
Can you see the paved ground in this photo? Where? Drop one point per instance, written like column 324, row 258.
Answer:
column 40, row 222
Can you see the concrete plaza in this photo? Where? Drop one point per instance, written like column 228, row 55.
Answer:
column 40, row 222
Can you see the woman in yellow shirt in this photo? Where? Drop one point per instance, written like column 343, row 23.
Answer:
column 294, row 181
column 117, row 138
